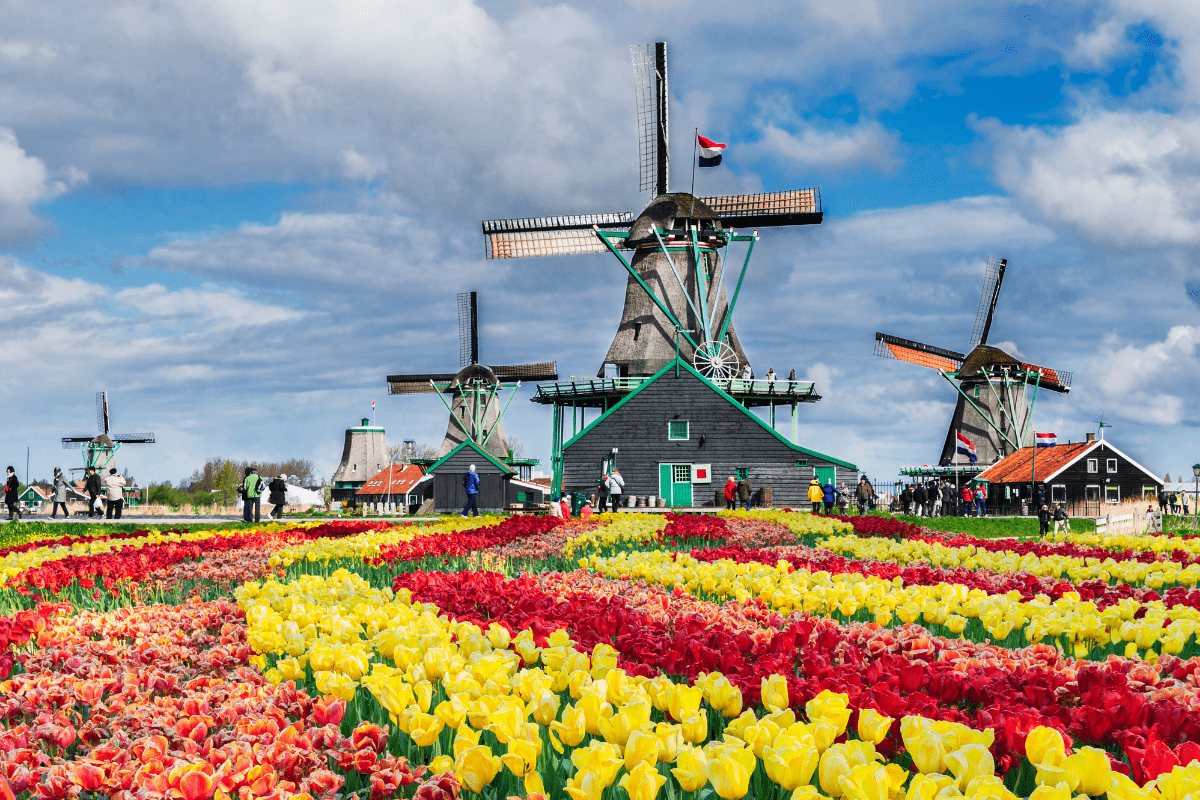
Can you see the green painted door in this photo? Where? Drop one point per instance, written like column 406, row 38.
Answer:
column 825, row 474
column 681, row 484
column 664, row 481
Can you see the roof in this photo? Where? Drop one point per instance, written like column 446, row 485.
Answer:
column 396, row 479
column 469, row 443
column 728, row 398
column 45, row 495
column 1049, row 461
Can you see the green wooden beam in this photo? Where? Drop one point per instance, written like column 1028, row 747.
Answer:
column 604, row 237
column 741, row 277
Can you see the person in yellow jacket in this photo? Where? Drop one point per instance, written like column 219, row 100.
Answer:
column 815, row 495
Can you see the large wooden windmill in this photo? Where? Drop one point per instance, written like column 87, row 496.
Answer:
column 675, row 294
column 98, row 451
column 475, row 409
column 993, row 411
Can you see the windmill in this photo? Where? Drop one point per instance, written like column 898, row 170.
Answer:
column 992, row 410
column 475, row 411
column 675, row 294
column 98, row 451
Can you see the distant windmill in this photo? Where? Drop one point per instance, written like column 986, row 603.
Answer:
column 475, row 411
column 1100, row 426
column 992, row 409
column 98, row 451
column 676, row 277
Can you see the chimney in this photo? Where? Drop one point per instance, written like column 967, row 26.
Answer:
column 1091, row 437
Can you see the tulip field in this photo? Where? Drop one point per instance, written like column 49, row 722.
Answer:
column 763, row 654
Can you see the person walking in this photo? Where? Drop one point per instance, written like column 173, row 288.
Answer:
column 471, row 485
column 251, row 492
column 935, row 499
column 60, row 488
column 12, row 494
column 745, row 491
column 1044, row 521
column 829, row 496
column 114, row 493
column 616, row 484
column 1061, row 523
column 980, row 501
column 968, row 500
column 730, row 494
column 906, row 499
column 278, row 495
column 602, row 493
column 92, row 487
column 843, row 501
column 815, row 495
column 920, row 499
column 865, row 495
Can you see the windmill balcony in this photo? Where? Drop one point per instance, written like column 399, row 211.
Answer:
column 599, row 392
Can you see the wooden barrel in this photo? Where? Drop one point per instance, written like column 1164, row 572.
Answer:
column 767, row 497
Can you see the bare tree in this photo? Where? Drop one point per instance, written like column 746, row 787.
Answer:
column 408, row 451
column 516, row 445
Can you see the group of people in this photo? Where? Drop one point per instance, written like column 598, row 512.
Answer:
column 250, row 490
column 609, row 490
column 827, row 496
column 1062, row 522
column 933, row 498
column 113, row 488
column 1173, row 502
column 747, row 374
column 738, row 493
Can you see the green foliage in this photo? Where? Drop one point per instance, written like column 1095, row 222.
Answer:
column 993, row 527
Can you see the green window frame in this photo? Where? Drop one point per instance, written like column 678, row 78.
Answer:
column 977, row 391
column 742, row 473
column 678, row 430
column 802, row 462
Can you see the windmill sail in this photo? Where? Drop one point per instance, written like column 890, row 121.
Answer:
column 550, row 236
column 993, row 278
column 772, row 209
column 651, row 93
column 924, row 355
column 418, row 384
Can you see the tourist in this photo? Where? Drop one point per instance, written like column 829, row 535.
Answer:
column 980, row 501
column 251, row 492
column 747, row 373
column 92, row 487
column 114, row 492
column 920, row 498
column 278, row 495
column 968, row 500
column 815, row 495
column 744, row 491
column 843, row 501
column 586, row 511
column 602, row 492
column 565, row 506
column 906, row 499
column 771, row 378
column 865, row 495
column 471, row 485
column 829, row 496
column 60, row 494
column 555, row 508
column 792, row 376
column 935, row 499
column 1039, row 497
column 616, row 484
column 1061, row 522
column 1044, row 521
column 1184, row 497
column 11, row 494
column 730, row 494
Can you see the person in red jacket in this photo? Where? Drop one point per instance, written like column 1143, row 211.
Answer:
column 968, row 500
column 730, row 494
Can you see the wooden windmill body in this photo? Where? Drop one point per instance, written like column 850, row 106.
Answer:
column 99, row 451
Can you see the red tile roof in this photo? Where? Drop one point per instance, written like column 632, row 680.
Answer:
column 401, row 477
column 1015, row 468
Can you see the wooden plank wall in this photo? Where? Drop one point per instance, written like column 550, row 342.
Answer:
column 448, row 492
column 731, row 440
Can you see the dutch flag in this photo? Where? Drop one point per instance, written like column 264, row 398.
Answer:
column 710, row 151
column 1046, row 439
column 966, row 447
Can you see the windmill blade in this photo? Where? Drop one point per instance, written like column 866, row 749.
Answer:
column 102, row 412
column 651, row 93
column 993, row 276
column 417, row 384
column 468, row 329
column 549, row 236
column 71, row 442
column 545, row 371
column 792, row 207
column 134, row 438
column 1056, row 380
column 925, row 355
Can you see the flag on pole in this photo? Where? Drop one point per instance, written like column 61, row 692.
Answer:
column 1046, row 439
column 710, row 151
column 966, row 447
column 372, row 405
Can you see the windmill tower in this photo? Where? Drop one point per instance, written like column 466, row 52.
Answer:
column 675, row 293
column 993, row 409
column 98, row 451
column 475, row 410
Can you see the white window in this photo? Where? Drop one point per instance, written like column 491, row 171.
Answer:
column 1092, row 493
column 1112, row 465
column 1112, row 494
column 1149, row 492
column 1093, row 465
column 1058, row 494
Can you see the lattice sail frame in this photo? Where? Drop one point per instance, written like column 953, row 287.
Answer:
column 651, row 93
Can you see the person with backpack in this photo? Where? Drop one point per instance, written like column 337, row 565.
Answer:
column 935, row 499
column 92, row 487
column 12, row 494
column 829, row 496
column 980, row 501
column 968, row 500
column 251, row 491
column 278, row 497
column 471, row 485
column 815, row 495
column 730, row 494
column 60, row 494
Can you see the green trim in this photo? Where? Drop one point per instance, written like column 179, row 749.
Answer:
column 679, row 362
column 469, row 443
column 687, row 430
column 629, row 268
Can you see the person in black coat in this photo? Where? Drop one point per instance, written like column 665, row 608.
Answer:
column 278, row 496
column 11, row 494
column 92, row 487
column 906, row 499
column 920, row 499
column 1044, row 520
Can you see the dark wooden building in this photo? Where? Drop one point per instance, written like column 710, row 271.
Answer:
column 500, row 487
column 679, row 436
column 1085, row 476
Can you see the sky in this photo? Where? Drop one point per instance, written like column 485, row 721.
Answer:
column 238, row 216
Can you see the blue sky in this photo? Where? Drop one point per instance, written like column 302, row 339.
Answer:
column 238, row 217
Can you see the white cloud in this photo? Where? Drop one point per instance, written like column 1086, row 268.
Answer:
column 23, row 184
column 357, row 166
column 867, row 144
column 210, row 308
column 1147, row 383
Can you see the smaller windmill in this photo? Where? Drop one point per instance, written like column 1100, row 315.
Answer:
column 992, row 411
column 475, row 410
column 98, row 451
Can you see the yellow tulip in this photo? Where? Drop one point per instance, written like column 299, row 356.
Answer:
column 659, row 690
column 594, row 709
column 684, row 701
column 570, row 731
column 617, row 728
column 1048, row 775
column 452, row 712
column 927, row 787
column 291, row 669
column 832, row 766
column 1059, row 791
column 729, row 772
column 1088, row 771
column 397, row 695
column 585, row 785
column 533, row 784
column 760, row 736
column 1045, row 745
column 896, row 776
column 792, row 764
column 504, row 722
column 545, row 709
column 336, row 684
column 641, row 748
column 823, row 734
column 476, row 767
column 775, row 693
column 670, row 739
column 642, row 782
column 499, row 636
column 956, row 623
column 601, row 758
column 969, row 762
column 466, row 738
column 872, row 726
column 738, row 727
column 425, row 729
column 865, row 782
column 690, row 769
column 988, row 788
column 830, row 707
column 424, row 693
column 436, row 661
column 441, row 765
column 806, row 792
column 726, row 698
column 522, row 756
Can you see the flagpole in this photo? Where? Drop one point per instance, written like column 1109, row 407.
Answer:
column 695, row 145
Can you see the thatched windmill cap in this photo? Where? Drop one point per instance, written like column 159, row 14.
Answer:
column 474, row 372
column 983, row 356
column 662, row 213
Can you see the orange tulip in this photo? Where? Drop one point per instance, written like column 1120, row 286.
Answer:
column 6, row 792
column 88, row 777
column 196, row 785
column 329, row 710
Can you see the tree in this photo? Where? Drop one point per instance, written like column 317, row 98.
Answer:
column 226, row 482
column 517, row 447
column 408, row 451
